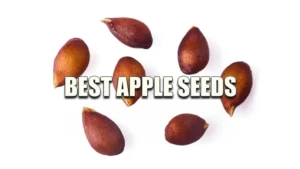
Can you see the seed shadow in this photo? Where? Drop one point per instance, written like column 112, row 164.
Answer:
column 127, row 135
column 248, row 104
column 94, row 62
column 150, row 71
column 156, row 41
column 213, row 131
column 215, row 59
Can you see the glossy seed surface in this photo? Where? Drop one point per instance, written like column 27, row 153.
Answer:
column 193, row 52
column 185, row 129
column 71, row 61
column 103, row 134
column 128, row 67
column 130, row 31
column 241, row 71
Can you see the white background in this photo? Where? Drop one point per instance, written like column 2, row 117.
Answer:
column 41, row 129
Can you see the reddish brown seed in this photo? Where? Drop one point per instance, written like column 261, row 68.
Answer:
column 193, row 52
column 129, row 67
column 241, row 71
column 130, row 32
column 71, row 61
column 185, row 129
column 102, row 133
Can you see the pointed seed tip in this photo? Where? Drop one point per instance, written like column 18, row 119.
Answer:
column 106, row 20
column 55, row 82
column 127, row 104
column 194, row 27
column 231, row 111
column 87, row 109
column 206, row 125
column 55, row 85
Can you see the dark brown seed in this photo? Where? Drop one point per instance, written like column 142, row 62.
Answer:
column 102, row 133
column 130, row 32
column 185, row 129
column 71, row 61
column 129, row 67
column 242, row 73
column 193, row 52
